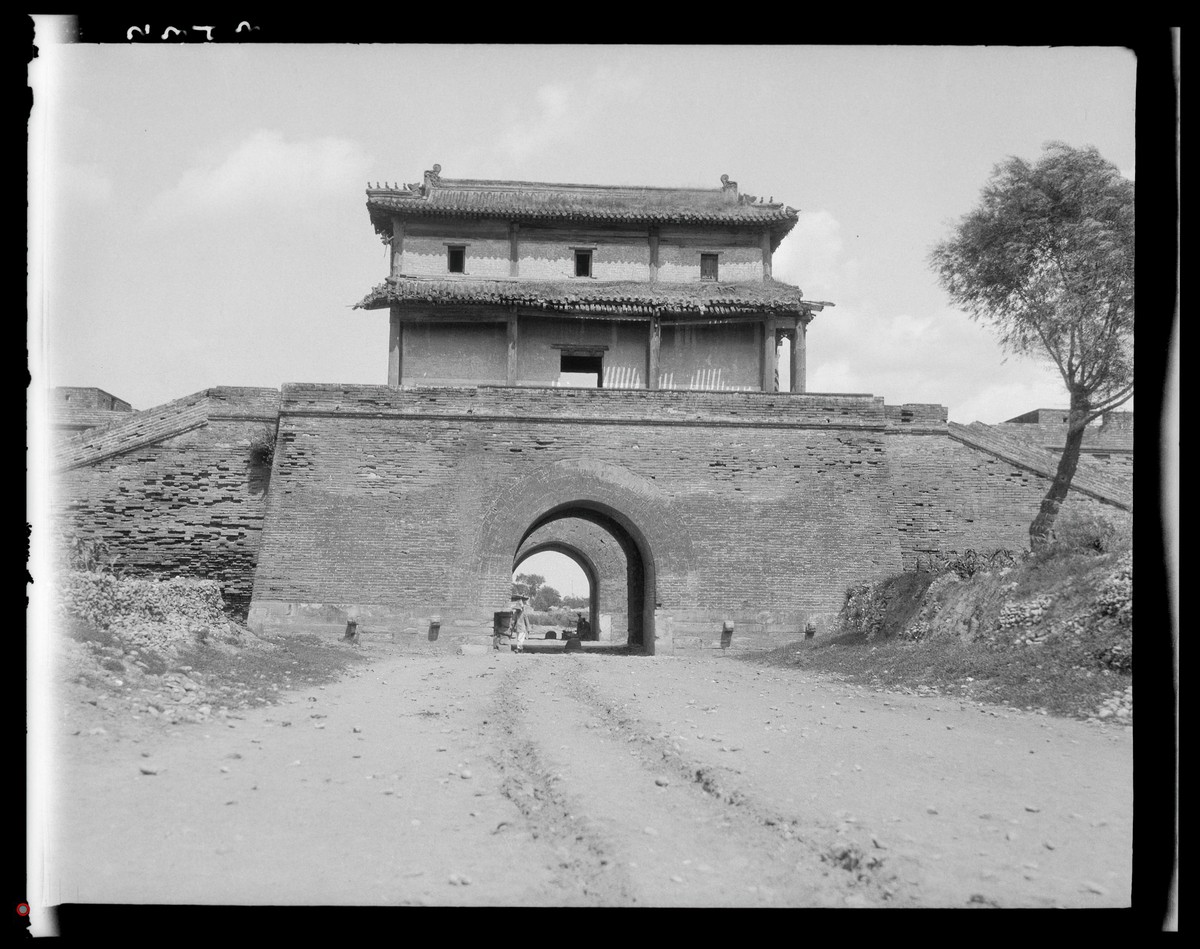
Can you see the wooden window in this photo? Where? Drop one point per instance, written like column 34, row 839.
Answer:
column 583, row 263
column 708, row 266
column 456, row 258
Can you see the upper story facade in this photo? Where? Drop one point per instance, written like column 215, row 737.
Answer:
column 533, row 283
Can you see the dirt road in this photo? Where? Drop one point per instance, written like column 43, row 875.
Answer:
column 582, row 779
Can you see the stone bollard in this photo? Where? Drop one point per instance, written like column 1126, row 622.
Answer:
column 810, row 630
column 726, row 635
column 351, row 632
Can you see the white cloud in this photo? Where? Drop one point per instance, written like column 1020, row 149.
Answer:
column 559, row 110
column 549, row 119
column 264, row 170
column 811, row 258
column 1004, row 400
column 939, row 356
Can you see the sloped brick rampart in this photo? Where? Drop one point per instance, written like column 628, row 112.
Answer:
column 173, row 490
column 950, row 494
column 1090, row 479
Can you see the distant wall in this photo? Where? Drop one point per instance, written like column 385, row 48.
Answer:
column 1108, row 441
column 81, row 397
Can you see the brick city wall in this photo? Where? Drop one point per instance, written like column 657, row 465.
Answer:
column 173, row 490
column 406, row 507
column 411, row 503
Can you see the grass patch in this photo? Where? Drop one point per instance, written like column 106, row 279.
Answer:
column 1052, row 632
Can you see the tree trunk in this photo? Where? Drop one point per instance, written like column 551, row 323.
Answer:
column 1043, row 524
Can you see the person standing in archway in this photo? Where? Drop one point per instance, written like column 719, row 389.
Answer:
column 520, row 621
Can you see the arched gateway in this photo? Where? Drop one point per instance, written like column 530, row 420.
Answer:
column 651, row 540
column 626, row 595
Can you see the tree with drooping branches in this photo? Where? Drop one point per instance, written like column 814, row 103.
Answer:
column 1047, row 261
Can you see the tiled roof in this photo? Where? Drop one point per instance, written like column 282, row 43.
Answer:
column 596, row 297
column 543, row 201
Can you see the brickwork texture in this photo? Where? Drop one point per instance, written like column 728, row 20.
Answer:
column 407, row 508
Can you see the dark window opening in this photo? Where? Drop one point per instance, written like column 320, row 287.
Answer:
column 583, row 263
column 583, row 372
column 456, row 259
column 708, row 266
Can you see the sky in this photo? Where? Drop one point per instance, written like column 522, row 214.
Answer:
column 198, row 211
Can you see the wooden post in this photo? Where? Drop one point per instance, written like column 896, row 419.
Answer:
column 652, row 355
column 799, row 354
column 766, row 254
column 395, row 347
column 397, row 247
column 780, row 336
column 514, row 258
column 768, row 355
column 654, row 255
column 511, row 374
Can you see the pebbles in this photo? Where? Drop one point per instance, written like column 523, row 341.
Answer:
column 1119, row 707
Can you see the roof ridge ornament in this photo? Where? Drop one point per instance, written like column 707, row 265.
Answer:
column 433, row 177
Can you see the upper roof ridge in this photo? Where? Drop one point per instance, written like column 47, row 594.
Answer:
column 726, row 194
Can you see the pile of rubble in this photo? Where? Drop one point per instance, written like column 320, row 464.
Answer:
column 128, row 642
column 1119, row 707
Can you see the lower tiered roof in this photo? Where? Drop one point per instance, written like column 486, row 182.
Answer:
column 598, row 298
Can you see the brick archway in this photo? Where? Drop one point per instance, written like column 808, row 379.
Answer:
column 633, row 509
column 640, row 576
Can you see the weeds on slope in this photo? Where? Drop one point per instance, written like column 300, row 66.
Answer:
column 1052, row 632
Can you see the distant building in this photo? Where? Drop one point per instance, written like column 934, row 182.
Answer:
column 75, row 409
column 1108, row 440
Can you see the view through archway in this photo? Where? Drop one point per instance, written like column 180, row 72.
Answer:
column 562, row 585
column 606, row 550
